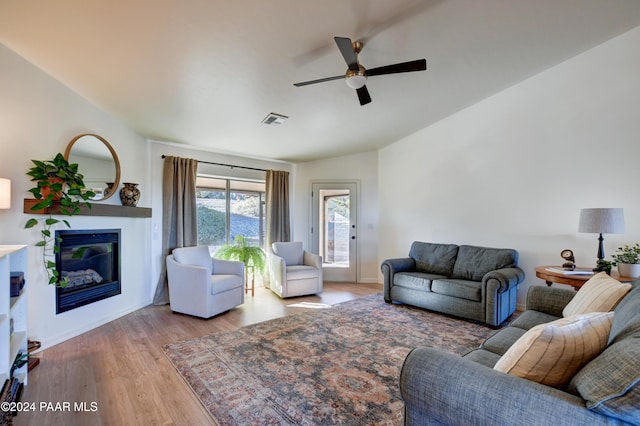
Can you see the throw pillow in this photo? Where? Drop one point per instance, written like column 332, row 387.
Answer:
column 610, row 384
column 600, row 294
column 553, row 353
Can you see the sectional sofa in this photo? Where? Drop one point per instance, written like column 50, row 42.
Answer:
column 534, row 373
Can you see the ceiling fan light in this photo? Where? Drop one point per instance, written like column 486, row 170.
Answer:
column 356, row 81
column 356, row 78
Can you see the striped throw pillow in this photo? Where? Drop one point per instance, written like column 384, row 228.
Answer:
column 553, row 353
column 600, row 294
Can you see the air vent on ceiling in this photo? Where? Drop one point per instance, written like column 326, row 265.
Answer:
column 274, row 119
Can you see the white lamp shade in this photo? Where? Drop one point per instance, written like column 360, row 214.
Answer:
column 601, row 221
column 5, row 193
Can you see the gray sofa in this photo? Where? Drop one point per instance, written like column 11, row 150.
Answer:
column 477, row 283
column 441, row 388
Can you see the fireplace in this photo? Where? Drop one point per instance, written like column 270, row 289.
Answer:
column 90, row 260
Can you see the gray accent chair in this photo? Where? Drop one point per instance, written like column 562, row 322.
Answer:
column 477, row 283
column 294, row 271
column 440, row 388
column 202, row 286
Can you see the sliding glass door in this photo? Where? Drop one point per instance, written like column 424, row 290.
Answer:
column 227, row 208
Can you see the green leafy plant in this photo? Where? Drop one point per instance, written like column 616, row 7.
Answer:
column 60, row 188
column 252, row 256
column 627, row 254
column 603, row 266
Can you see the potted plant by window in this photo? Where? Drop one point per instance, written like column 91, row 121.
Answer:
column 60, row 189
column 253, row 257
column 627, row 258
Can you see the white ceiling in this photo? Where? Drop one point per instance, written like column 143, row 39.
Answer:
column 206, row 72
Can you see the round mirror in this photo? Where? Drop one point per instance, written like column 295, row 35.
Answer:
column 97, row 162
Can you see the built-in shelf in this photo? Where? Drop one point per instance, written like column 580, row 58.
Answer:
column 16, row 342
column 96, row 209
column 14, row 300
column 13, row 314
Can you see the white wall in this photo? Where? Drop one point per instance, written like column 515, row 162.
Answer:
column 360, row 167
column 514, row 170
column 38, row 117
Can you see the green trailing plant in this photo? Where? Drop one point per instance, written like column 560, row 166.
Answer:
column 60, row 188
column 253, row 257
column 627, row 254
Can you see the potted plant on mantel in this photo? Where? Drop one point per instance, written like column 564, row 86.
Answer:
column 627, row 258
column 60, row 189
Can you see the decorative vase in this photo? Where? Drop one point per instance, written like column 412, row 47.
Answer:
column 46, row 190
column 109, row 189
column 631, row 270
column 129, row 194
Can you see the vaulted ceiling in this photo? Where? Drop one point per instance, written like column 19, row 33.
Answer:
column 206, row 72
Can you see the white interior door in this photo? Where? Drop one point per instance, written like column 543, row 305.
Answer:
column 334, row 228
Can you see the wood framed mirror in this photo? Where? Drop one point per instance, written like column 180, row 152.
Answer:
column 97, row 162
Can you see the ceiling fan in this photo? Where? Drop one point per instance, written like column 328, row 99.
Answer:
column 356, row 75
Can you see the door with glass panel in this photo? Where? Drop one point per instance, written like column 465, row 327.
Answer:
column 334, row 228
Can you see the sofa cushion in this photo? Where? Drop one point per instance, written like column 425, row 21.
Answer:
column 415, row 280
column 291, row 252
column 473, row 262
column 197, row 256
column 600, row 294
column 434, row 258
column 483, row 357
column 301, row 272
column 223, row 282
column 551, row 354
column 610, row 384
column 529, row 319
column 461, row 289
column 627, row 319
column 501, row 341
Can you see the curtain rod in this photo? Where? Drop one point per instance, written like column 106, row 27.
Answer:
column 227, row 165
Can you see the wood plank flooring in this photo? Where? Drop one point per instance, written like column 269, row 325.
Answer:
column 117, row 374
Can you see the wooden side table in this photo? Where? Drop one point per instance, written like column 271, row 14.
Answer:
column 576, row 281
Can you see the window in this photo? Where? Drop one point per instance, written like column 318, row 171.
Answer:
column 335, row 235
column 227, row 208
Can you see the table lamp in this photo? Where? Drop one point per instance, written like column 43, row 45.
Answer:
column 601, row 221
column 5, row 193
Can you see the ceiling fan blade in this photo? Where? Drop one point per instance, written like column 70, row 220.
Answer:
column 346, row 48
column 418, row 65
column 363, row 95
column 320, row 80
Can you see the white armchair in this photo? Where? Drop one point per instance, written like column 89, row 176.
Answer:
column 202, row 286
column 294, row 271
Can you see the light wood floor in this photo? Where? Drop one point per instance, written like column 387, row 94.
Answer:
column 119, row 373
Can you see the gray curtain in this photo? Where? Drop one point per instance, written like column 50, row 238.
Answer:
column 277, row 205
column 179, row 219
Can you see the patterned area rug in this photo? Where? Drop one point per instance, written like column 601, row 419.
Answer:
column 336, row 366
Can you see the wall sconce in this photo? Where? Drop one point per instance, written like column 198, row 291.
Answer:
column 5, row 193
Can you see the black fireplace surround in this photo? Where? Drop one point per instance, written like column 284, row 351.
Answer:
column 90, row 260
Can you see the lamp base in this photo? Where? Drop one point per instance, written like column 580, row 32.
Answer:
column 602, row 265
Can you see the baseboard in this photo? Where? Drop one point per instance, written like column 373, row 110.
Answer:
column 69, row 334
column 369, row 281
